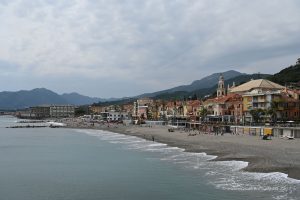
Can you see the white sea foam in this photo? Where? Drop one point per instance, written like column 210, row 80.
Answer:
column 56, row 123
column 157, row 145
column 164, row 150
column 225, row 175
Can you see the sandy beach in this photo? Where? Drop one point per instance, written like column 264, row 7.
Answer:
column 276, row 155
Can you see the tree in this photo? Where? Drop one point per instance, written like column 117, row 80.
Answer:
column 81, row 111
column 257, row 114
column 194, row 97
column 143, row 116
column 272, row 111
column 156, row 110
column 163, row 115
column 149, row 113
column 203, row 113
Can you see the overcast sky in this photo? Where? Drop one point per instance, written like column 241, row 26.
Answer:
column 116, row 48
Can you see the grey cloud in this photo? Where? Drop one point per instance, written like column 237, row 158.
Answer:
column 155, row 43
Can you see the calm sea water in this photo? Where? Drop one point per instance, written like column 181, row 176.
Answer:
column 38, row 164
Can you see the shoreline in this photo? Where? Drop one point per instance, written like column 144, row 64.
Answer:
column 276, row 155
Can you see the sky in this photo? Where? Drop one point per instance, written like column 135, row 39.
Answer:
column 118, row 48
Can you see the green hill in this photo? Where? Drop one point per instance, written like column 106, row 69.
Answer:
column 288, row 75
column 208, row 85
column 202, row 92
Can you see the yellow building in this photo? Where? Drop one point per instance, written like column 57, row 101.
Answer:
column 97, row 109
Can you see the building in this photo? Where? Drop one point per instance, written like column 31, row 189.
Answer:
column 127, row 108
column 25, row 113
column 114, row 116
column 226, row 108
column 287, row 107
column 259, row 84
column 192, row 108
column 141, row 108
column 258, row 100
column 97, row 109
column 221, row 88
column 273, row 102
column 40, row 112
column 52, row 111
column 61, row 111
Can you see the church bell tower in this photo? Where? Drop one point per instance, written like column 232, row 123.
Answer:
column 221, row 88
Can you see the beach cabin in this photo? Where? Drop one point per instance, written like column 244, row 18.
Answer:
column 155, row 123
column 267, row 131
column 251, row 130
column 292, row 132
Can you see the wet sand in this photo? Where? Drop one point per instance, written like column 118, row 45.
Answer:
column 276, row 155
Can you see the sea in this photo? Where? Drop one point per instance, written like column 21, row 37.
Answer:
column 70, row 164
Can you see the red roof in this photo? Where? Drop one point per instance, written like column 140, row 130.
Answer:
column 223, row 99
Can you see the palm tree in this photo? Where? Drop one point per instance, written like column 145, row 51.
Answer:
column 272, row 111
column 257, row 114
column 203, row 113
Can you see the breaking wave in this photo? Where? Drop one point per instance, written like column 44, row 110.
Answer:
column 224, row 175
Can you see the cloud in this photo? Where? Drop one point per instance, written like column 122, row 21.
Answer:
column 155, row 43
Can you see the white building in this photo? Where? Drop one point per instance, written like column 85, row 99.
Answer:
column 114, row 116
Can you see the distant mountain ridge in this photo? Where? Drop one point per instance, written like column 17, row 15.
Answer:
column 23, row 98
column 287, row 76
column 205, row 82
column 202, row 92
column 208, row 81
column 40, row 96
column 78, row 99
column 200, row 88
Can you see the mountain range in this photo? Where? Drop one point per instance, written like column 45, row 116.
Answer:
column 199, row 88
column 205, row 82
column 39, row 96
column 210, row 89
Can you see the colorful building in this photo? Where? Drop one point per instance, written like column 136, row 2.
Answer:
column 141, row 108
column 225, row 108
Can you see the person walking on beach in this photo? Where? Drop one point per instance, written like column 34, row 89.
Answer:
column 152, row 138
